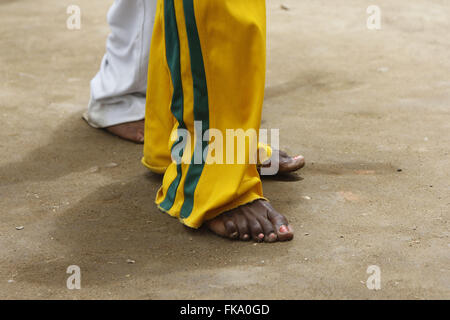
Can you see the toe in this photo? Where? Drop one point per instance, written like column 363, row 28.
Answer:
column 268, row 229
column 284, row 231
column 242, row 225
column 254, row 226
column 230, row 228
column 298, row 162
column 291, row 164
column 140, row 137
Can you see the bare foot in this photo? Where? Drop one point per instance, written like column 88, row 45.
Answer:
column 132, row 131
column 257, row 220
column 286, row 163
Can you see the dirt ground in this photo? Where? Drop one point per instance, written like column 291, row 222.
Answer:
column 361, row 105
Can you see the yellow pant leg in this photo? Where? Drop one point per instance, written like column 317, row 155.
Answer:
column 207, row 64
column 160, row 122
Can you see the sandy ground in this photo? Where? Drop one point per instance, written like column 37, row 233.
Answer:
column 358, row 104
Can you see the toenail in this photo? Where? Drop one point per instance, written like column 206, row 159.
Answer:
column 283, row 229
column 245, row 236
column 261, row 236
column 234, row 235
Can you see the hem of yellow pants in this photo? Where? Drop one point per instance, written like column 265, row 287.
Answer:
column 158, row 170
column 162, row 170
column 267, row 153
column 246, row 199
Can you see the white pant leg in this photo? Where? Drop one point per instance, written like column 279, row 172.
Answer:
column 118, row 90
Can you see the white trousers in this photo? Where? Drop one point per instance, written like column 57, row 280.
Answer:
column 118, row 90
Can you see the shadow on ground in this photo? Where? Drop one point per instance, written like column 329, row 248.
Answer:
column 120, row 222
column 73, row 147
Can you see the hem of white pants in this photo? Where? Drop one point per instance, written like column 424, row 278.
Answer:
column 96, row 125
column 107, row 116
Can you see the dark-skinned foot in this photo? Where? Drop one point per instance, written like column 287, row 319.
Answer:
column 286, row 163
column 257, row 221
column 132, row 131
